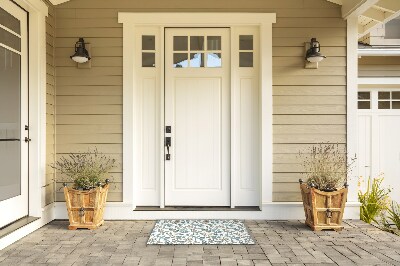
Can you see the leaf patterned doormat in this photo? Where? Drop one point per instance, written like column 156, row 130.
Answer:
column 200, row 232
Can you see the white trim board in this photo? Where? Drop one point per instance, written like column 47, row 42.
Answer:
column 132, row 127
column 270, row 211
column 379, row 80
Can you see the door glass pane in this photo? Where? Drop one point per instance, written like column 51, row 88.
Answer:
column 10, row 40
column 7, row 20
column 148, row 59
column 364, row 95
column 384, row 105
column 214, row 60
column 396, row 95
column 384, row 95
column 364, row 105
column 197, row 43
column 197, row 60
column 246, row 42
column 214, row 43
column 10, row 157
column 396, row 105
column 246, row 59
column 180, row 43
column 180, row 60
column 148, row 42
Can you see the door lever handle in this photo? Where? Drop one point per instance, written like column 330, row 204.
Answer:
column 168, row 144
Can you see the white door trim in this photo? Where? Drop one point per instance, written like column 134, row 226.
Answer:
column 37, row 102
column 131, row 124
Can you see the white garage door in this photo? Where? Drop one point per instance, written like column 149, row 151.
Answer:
column 379, row 136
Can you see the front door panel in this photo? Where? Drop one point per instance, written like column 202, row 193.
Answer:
column 13, row 113
column 197, row 109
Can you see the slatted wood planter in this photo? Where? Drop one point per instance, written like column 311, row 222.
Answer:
column 323, row 210
column 85, row 207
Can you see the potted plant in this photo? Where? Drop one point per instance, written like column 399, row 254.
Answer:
column 86, row 198
column 324, row 192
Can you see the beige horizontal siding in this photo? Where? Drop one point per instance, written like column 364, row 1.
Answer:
column 49, row 184
column 309, row 104
column 379, row 66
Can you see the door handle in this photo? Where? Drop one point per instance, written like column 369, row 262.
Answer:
column 27, row 139
column 168, row 144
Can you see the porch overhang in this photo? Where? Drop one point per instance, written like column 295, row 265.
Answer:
column 370, row 13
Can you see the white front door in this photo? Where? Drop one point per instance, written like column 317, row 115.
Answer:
column 378, row 136
column 197, row 108
column 13, row 113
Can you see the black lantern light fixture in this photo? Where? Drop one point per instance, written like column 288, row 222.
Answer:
column 81, row 54
column 313, row 54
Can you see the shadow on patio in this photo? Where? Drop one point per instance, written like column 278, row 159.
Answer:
column 278, row 243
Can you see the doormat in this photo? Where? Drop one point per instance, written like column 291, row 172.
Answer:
column 200, row 232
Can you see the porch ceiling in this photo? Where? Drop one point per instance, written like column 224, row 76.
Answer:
column 371, row 13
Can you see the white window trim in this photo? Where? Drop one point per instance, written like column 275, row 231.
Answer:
column 131, row 158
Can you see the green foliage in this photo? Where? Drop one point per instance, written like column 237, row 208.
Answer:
column 325, row 166
column 374, row 201
column 86, row 169
column 390, row 219
column 394, row 214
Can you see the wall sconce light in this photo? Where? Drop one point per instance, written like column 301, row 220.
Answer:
column 313, row 55
column 81, row 54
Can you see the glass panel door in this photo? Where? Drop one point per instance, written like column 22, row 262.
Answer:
column 13, row 113
column 10, row 121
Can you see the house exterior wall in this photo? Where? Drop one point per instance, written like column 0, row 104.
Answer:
column 48, row 189
column 379, row 66
column 309, row 104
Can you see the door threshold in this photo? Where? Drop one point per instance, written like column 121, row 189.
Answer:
column 8, row 229
column 196, row 208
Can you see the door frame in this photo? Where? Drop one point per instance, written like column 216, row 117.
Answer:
column 132, row 160
column 37, row 12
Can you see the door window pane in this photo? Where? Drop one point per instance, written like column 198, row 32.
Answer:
column 10, row 39
column 180, row 60
column 197, row 60
column 197, row 43
column 214, row 43
column 384, row 105
column 364, row 95
column 246, row 42
column 148, row 59
column 396, row 105
column 384, row 95
column 10, row 124
column 180, row 43
column 148, row 42
column 396, row 95
column 245, row 59
column 364, row 105
column 214, row 60
column 7, row 20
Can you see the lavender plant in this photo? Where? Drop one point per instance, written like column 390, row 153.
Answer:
column 325, row 166
column 86, row 170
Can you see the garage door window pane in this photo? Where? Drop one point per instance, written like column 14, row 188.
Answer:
column 364, row 95
column 396, row 105
column 384, row 105
column 384, row 95
column 396, row 95
column 364, row 105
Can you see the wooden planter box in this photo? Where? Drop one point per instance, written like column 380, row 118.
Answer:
column 323, row 210
column 85, row 207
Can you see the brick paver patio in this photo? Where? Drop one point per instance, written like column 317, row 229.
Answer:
column 278, row 243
